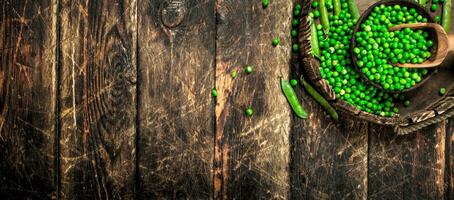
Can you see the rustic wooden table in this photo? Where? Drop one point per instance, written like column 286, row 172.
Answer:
column 110, row 99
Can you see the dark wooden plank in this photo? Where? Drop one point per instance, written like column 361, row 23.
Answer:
column 98, row 99
column 407, row 167
column 329, row 161
column 176, row 48
column 27, row 99
column 449, row 158
column 252, row 154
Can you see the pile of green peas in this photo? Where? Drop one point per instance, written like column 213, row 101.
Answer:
column 378, row 48
column 336, row 67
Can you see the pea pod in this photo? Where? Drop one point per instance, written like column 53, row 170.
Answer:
column 323, row 15
column 314, row 40
column 337, row 7
column 293, row 99
column 354, row 11
column 446, row 15
column 320, row 100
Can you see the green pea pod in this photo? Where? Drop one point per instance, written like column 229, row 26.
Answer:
column 446, row 15
column 323, row 15
column 423, row 3
column 320, row 100
column 354, row 11
column 314, row 40
column 293, row 99
column 337, row 7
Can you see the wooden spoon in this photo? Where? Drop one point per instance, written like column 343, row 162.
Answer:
column 444, row 44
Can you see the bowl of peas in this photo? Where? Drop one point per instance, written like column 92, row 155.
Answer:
column 349, row 57
column 376, row 50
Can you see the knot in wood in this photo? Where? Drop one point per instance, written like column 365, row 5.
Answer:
column 173, row 12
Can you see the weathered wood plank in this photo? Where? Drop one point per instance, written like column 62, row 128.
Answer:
column 252, row 154
column 176, row 73
column 449, row 160
column 27, row 99
column 329, row 161
column 407, row 167
column 98, row 104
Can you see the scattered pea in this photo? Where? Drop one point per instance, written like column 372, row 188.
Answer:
column 265, row 3
column 298, row 7
column 214, row 92
column 434, row 7
column 294, row 33
column 248, row 69
column 407, row 103
column 316, row 14
column 233, row 74
column 315, row 4
column 297, row 13
column 295, row 48
column 275, row 41
column 442, row 91
column 295, row 22
column 249, row 112
column 293, row 82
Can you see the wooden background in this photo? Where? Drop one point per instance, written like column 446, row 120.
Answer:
column 110, row 99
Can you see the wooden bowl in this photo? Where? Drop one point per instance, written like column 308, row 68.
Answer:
column 365, row 15
column 427, row 106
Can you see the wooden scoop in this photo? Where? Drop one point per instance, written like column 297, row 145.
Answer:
column 444, row 43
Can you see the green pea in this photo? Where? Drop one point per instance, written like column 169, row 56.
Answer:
column 249, row 112
column 407, row 103
column 434, row 7
column 293, row 82
column 275, row 41
column 214, row 92
column 233, row 74
column 442, row 91
column 294, row 33
column 295, row 48
column 248, row 69
column 265, row 3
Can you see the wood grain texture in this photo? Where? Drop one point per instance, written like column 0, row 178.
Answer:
column 27, row 99
column 98, row 104
column 407, row 167
column 177, row 54
column 252, row 154
column 449, row 159
column 328, row 160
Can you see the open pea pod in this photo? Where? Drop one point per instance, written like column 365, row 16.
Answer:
column 428, row 105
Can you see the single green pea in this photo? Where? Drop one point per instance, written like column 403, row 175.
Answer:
column 293, row 82
column 295, row 22
column 248, row 69
column 275, row 41
column 294, row 33
column 407, row 103
column 315, row 4
column 295, row 48
column 298, row 7
column 434, row 7
column 233, row 74
column 265, row 3
column 249, row 112
column 296, row 12
column 442, row 91
column 214, row 92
